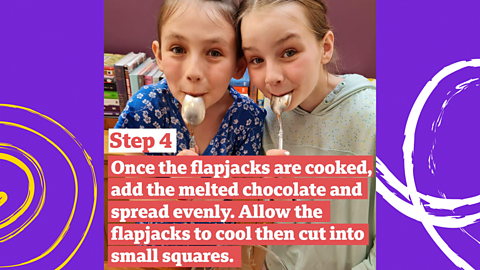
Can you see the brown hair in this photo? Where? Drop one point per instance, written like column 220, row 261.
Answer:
column 315, row 11
column 226, row 8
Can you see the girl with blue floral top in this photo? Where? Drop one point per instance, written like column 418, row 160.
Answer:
column 198, row 52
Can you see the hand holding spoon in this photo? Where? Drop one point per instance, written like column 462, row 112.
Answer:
column 279, row 105
column 193, row 113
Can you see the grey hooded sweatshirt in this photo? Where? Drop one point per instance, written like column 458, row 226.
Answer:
column 343, row 124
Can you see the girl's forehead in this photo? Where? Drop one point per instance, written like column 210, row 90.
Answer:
column 289, row 11
column 198, row 22
column 281, row 17
column 190, row 9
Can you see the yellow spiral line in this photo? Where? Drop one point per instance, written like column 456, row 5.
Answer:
column 30, row 194
column 3, row 197
column 88, row 159
column 31, row 191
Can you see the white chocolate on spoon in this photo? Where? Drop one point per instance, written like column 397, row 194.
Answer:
column 193, row 113
column 279, row 105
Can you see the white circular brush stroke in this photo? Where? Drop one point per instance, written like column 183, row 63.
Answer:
column 416, row 210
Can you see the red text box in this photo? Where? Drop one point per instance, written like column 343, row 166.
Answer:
column 245, row 188
column 241, row 166
column 218, row 211
column 238, row 234
column 176, row 256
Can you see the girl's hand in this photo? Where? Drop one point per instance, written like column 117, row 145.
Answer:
column 189, row 152
column 277, row 152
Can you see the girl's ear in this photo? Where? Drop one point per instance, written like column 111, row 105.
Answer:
column 241, row 67
column 158, row 54
column 327, row 47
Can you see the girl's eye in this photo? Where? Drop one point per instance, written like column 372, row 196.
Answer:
column 177, row 50
column 214, row 53
column 256, row 61
column 289, row 53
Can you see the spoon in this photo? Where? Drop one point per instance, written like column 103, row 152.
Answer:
column 279, row 105
column 193, row 113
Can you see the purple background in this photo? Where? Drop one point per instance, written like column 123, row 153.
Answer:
column 52, row 63
column 415, row 40
column 352, row 20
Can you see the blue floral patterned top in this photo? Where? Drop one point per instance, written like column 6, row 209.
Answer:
column 154, row 106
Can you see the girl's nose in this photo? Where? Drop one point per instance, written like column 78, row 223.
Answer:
column 193, row 76
column 194, row 73
column 274, row 76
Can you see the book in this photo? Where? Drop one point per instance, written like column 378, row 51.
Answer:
column 108, row 79
column 149, row 75
column 110, row 94
column 120, row 67
column 109, row 83
column 137, row 79
column 260, row 99
column 112, row 113
column 109, row 60
column 252, row 92
column 111, row 102
column 110, row 87
column 106, row 56
column 113, row 108
column 157, row 77
column 141, row 78
column 133, row 64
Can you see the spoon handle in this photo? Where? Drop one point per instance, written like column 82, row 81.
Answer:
column 280, row 133
column 192, row 142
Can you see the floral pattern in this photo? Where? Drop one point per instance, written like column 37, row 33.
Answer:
column 155, row 107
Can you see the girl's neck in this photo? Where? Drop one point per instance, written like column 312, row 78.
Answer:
column 325, row 85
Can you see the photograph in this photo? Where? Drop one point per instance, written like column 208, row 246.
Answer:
column 254, row 78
